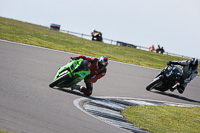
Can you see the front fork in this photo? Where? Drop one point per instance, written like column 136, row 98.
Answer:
column 160, row 73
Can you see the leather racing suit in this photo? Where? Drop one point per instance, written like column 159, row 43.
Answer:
column 189, row 73
column 95, row 74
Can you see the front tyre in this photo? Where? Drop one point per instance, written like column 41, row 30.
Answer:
column 59, row 80
column 154, row 83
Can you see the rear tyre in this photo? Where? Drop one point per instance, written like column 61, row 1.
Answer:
column 60, row 80
column 99, row 38
column 154, row 83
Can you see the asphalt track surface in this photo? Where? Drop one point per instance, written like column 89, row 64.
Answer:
column 27, row 104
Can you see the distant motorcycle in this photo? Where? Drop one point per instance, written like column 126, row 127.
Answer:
column 167, row 79
column 97, row 36
column 70, row 74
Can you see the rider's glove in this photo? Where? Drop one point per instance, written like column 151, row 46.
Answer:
column 169, row 63
column 74, row 58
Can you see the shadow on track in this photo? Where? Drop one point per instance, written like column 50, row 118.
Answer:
column 76, row 93
column 70, row 91
column 176, row 96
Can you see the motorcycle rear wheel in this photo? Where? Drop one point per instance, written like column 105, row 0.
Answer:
column 154, row 83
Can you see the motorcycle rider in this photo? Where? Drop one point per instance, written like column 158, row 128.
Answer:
column 190, row 70
column 94, row 31
column 97, row 70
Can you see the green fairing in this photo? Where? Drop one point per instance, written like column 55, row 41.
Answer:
column 76, row 76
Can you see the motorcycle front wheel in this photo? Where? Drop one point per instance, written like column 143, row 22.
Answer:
column 155, row 83
column 60, row 80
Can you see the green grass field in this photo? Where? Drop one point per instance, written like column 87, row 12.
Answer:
column 164, row 119
column 5, row 131
column 21, row 32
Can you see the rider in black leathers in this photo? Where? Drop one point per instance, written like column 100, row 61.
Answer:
column 190, row 71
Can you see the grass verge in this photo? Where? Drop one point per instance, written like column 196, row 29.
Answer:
column 5, row 131
column 21, row 32
column 164, row 119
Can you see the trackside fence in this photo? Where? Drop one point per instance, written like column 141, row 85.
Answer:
column 114, row 42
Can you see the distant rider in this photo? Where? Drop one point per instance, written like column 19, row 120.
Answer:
column 94, row 31
column 190, row 70
column 97, row 70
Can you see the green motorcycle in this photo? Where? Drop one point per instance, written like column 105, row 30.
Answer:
column 70, row 74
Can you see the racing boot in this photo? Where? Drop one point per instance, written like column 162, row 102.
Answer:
column 76, row 87
column 180, row 89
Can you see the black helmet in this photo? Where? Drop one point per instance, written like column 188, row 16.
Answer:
column 194, row 62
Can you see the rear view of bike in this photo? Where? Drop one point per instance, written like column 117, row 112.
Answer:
column 97, row 36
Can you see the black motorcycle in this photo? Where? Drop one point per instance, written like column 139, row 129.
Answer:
column 167, row 79
column 97, row 36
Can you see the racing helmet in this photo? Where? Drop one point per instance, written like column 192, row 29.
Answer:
column 103, row 62
column 194, row 62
